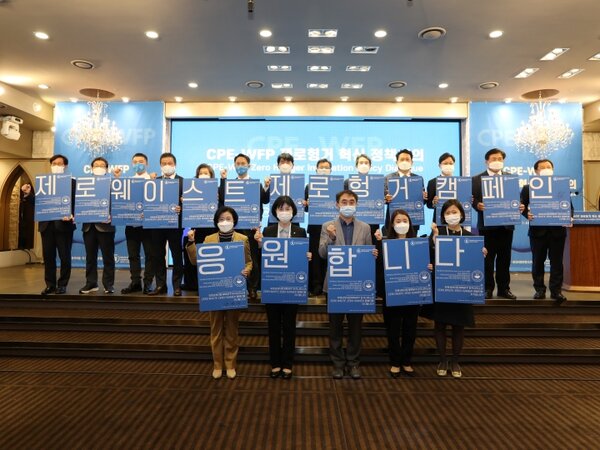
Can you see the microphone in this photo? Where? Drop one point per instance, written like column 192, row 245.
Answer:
column 585, row 199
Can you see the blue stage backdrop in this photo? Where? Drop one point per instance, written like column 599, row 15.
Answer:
column 494, row 125
column 216, row 142
column 142, row 126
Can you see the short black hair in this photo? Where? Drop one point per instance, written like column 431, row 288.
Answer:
column 224, row 209
column 494, row 151
column 205, row 166
column 284, row 157
column 345, row 191
column 540, row 161
column 391, row 233
column 167, row 155
column 362, row 155
column 453, row 202
column 404, row 150
column 324, row 160
column 446, row 155
column 99, row 158
column 284, row 200
column 241, row 155
column 64, row 158
column 140, row 154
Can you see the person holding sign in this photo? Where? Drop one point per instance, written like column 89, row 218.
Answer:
column 345, row 230
column 398, row 320
column 546, row 242
column 457, row 315
column 447, row 167
column 498, row 239
column 224, row 324
column 282, row 317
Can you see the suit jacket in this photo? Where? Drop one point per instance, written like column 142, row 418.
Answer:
column 477, row 197
column 553, row 231
column 213, row 239
column 180, row 178
column 360, row 236
column 296, row 231
column 62, row 226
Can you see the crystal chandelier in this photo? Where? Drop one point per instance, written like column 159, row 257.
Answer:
column 95, row 132
column 544, row 132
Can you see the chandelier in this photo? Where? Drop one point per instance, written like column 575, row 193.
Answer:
column 544, row 132
column 95, row 132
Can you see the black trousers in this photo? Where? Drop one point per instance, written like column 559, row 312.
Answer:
column 105, row 241
column 190, row 271
column 336, row 336
column 160, row 238
column 54, row 242
column 499, row 247
column 542, row 247
column 282, row 334
column 254, row 278
column 401, row 322
column 138, row 237
column 317, row 266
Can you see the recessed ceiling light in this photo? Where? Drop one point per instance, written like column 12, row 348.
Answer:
column 552, row 55
column 276, row 49
column 178, row 99
column 508, row 100
column 380, row 33
column 43, row 86
column 322, row 33
column 125, row 99
column 276, row 68
column 562, row 100
column 265, row 33
column 453, row 99
column 321, row 49
column 397, row 84
column 288, row 99
column 318, row 68
column 431, row 33
column 41, row 35
column 282, row 85
column 151, row 34
column 398, row 99
column 527, row 72
column 489, row 85
column 351, row 86
column 496, row 34
column 570, row 73
column 596, row 57
column 83, row 64
column 193, row 84
column 364, row 50
column 344, row 98
column 73, row 100
column 443, row 85
column 317, row 85
column 255, row 84
column 232, row 98
column 358, row 68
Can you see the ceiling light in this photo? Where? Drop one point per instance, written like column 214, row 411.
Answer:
column 351, row 86
column 552, row 55
column 527, row 72
column 178, row 99
column 322, row 33
column 344, row 98
column 453, row 99
column 321, row 49
column 82, row 64
column 496, row 34
column 193, row 84
column 288, row 99
column 317, row 85
column 508, row 100
column 358, row 68
column 570, row 73
column 2, row 90
column 43, row 86
column 41, row 35
column 73, row 100
column 380, row 33
column 125, row 99
column 255, row 84
column 232, row 98
column 431, row 33
column 399, row 99
column 562, row 100
column 397, row 84
column 53, row 129
column 265, row 33
column 489, row 85
column 276, row 68
column 151, row 34
column 95, row 132
column 282, row 85
column 37, row 107
column 318, row 68
column 276, row 49
column 362, row 50
column 443, row 85
column 596, row 57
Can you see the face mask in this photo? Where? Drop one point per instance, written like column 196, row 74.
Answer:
column 285, row 168
column 139, row 168
column 323, row 171
column 284, row 216
column 241, row 170
column 167, row 170
column 401, row 228
column 363, row 168
column 496, row 166
column 57, row 169
column 404, row 165
column 203, row 176
column 226, row 226
column 452, row 219
column 99, row 171
column 547, row 172
column 348, row 211
column 447, row 169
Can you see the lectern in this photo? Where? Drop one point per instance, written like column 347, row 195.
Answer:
column 582, row 253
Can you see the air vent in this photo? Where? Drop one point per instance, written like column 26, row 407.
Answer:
column 397, row 84
column 83, row 64
column 489, row 85
column 255, row 84
column 431, row 33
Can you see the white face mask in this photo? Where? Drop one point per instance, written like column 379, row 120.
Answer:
column 363, row 168
column 452, row 219
column 401, row 228
column 284, row 216
column 404, row 165
column 285, row 168
column 203, row 175
column 99, row 171
column 225, row 226
column 447, row 169
column 547, row 172
column 323, row 171
column 167, row 170
column 57, row 169
column 496, row 166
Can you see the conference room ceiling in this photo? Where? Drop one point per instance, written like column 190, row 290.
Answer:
column 216, row 44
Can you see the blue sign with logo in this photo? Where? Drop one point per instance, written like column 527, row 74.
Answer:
column 161, row 198
column 127, row 205
column 244, row 197
column 501, row 198
column 549, row 201
column 407, row 194
column 284, row 270
column 200, row 202
column 322, row 190
column 454, row 188
column 92, row 199
column 52, row 197
column 369, row 189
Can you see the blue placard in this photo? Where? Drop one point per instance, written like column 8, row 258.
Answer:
column 286, row 184
column 92, row 199
column 454, row 188
column 127, row 206
column 221, row 285
column 583, row 218
column 322, row 190
column 407, row 194
column 52, row 197
column 284, row 270
column 459, row 275
column 501, row 197
column 351, row 284
column 407, row 278
column 549, row 201
column 161, row 198
column 369, row 189
column 200, row 202
column 244, row 197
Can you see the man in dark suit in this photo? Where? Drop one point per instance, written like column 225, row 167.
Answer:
column 546, row 242
column 57, row 237
column 497, row 239
column 446, row 164
column 102, row 236
column 172, row 236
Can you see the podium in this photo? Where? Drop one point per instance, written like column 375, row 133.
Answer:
column 582, row 254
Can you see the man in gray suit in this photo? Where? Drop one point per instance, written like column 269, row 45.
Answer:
column 344, row 230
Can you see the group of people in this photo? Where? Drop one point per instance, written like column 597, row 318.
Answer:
column 345, row 229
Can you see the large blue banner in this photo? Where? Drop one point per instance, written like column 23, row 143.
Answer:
column 52, row 197
column 454, row 188
column 407, row 194
column 291, row 185
column 501, row 197
column 142, row 127
column 459, row 275
column 322, row 190
column 369, row 189
column 92, row 199
column 221, row 285
column 407, row 278
column 161, row 198
column 244, row 197
column 549, row 201
column 351, row 285
column 200, row 202
column 284, row 271
column 127, row 201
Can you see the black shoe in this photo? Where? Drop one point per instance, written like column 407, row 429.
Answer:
column 507, row 294
column 540, row 294
column 88, row 288
column 395, row 372
column 338, row 373
column 275, row 373
column 252, row 295
column 48, row 290
column 286, row 375
column 109, row 290
column 354, row 372
column 489, row 293
column 132, row 288
column 177, row 292
column 60, row 290
column 558, row 297
column 160, row 290
column 146, row 290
